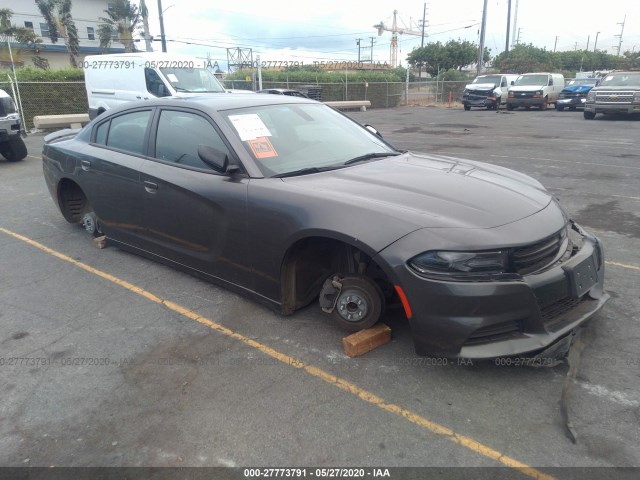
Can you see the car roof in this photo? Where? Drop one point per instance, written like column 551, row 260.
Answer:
column 215, row 101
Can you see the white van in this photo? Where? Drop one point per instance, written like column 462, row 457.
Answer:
column 111, row 80
column 535, row 90
column 488, row 91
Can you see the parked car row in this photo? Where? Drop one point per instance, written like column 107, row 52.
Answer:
column 616, row 92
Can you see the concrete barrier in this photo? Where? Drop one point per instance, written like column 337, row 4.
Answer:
column 72, row 120
column 346, row 104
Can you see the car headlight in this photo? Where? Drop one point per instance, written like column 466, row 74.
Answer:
column 461, row 265
column 636, row 97
column 591, row 96
column 510, row 95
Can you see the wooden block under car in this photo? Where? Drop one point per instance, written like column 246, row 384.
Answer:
column 366, row 340
column 101, row 242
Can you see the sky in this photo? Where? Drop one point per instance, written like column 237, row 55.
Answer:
column 280, row 30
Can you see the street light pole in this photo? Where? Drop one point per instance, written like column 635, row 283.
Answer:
column 162, row 37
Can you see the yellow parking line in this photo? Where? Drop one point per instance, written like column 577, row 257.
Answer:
column 338, row 382
column 623, row 265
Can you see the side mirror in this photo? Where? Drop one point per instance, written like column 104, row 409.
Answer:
column 372, row 130
column 213, row 157
column 513, row 82
column 163, row 91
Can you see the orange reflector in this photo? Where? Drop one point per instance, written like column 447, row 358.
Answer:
column 405, row 302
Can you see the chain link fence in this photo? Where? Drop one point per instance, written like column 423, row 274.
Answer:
column 57, row 98
column 49, row 98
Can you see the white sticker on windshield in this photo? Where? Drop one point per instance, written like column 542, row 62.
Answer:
column 249, row 126
column 172, row 78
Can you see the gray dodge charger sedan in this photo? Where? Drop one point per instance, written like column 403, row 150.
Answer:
column 288, row 201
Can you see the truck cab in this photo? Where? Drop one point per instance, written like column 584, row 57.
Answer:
column 618, row 92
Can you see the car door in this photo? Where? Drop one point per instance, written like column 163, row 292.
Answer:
column 194, row 215
column 109, row 172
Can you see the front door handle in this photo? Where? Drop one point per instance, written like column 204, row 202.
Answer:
column 150, row 187
column 86, row 165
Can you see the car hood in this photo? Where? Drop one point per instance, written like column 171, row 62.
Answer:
column 577, row 88
column 481, row 86
column 427, row 191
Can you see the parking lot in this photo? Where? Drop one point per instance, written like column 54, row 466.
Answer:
column 109, row 359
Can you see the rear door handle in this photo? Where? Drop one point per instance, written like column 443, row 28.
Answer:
column 86, row 165
column 150, row 187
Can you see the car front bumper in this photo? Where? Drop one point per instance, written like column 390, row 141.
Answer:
column 525, row 101
column 571, row 102
column 489, row 319
column 624, row 108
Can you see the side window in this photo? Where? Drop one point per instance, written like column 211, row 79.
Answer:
column 180, row 133
column 155, row 85
column 101, row 133
column 127, row 131
column 550, row 81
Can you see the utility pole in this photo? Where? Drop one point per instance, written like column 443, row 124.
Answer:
column 482, row 31
column 424, row 17
column 518, row 39
column 358, row 44
column 162, row 37
column 515, row 27
column 575, row 47
column 373, row 39
column 588, row 40
column 595, row 44
column 555, row 43
column 620, row 36
column 506, row 45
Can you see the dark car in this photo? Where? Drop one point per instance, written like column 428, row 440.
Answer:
column 289, row 201
column 283, row 91
column 574, row 95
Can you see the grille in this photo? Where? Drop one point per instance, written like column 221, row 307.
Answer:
column 572, row 95
column 617, row 97
column 495, row 332
column 538, row 255
column 552, row 315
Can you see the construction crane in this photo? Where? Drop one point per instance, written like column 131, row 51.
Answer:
column 394, row 36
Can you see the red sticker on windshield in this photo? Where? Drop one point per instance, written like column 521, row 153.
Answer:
column 262, row 148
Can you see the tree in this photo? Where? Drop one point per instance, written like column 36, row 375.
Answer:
column 455, row 54
column 26, row 38
column 123, row 17
column 525, row 58
column 57, row 15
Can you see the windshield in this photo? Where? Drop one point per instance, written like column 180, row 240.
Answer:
column 192, row 80
column 495, row 79
column 286, row 138
column 622, row 79
column 535, row 80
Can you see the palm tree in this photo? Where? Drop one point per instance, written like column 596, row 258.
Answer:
column 57, row 14
column 24, row 37
column 123, row 17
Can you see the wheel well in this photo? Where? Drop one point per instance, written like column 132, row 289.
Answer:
column 310, row 261
column 72, row 200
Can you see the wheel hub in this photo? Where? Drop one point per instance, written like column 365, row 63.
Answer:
column 89, row 222
column 352, row 306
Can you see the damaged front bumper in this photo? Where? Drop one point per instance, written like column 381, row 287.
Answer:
column 489, row 319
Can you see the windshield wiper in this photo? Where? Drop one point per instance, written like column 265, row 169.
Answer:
column 370, row 156
column 306, row 171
